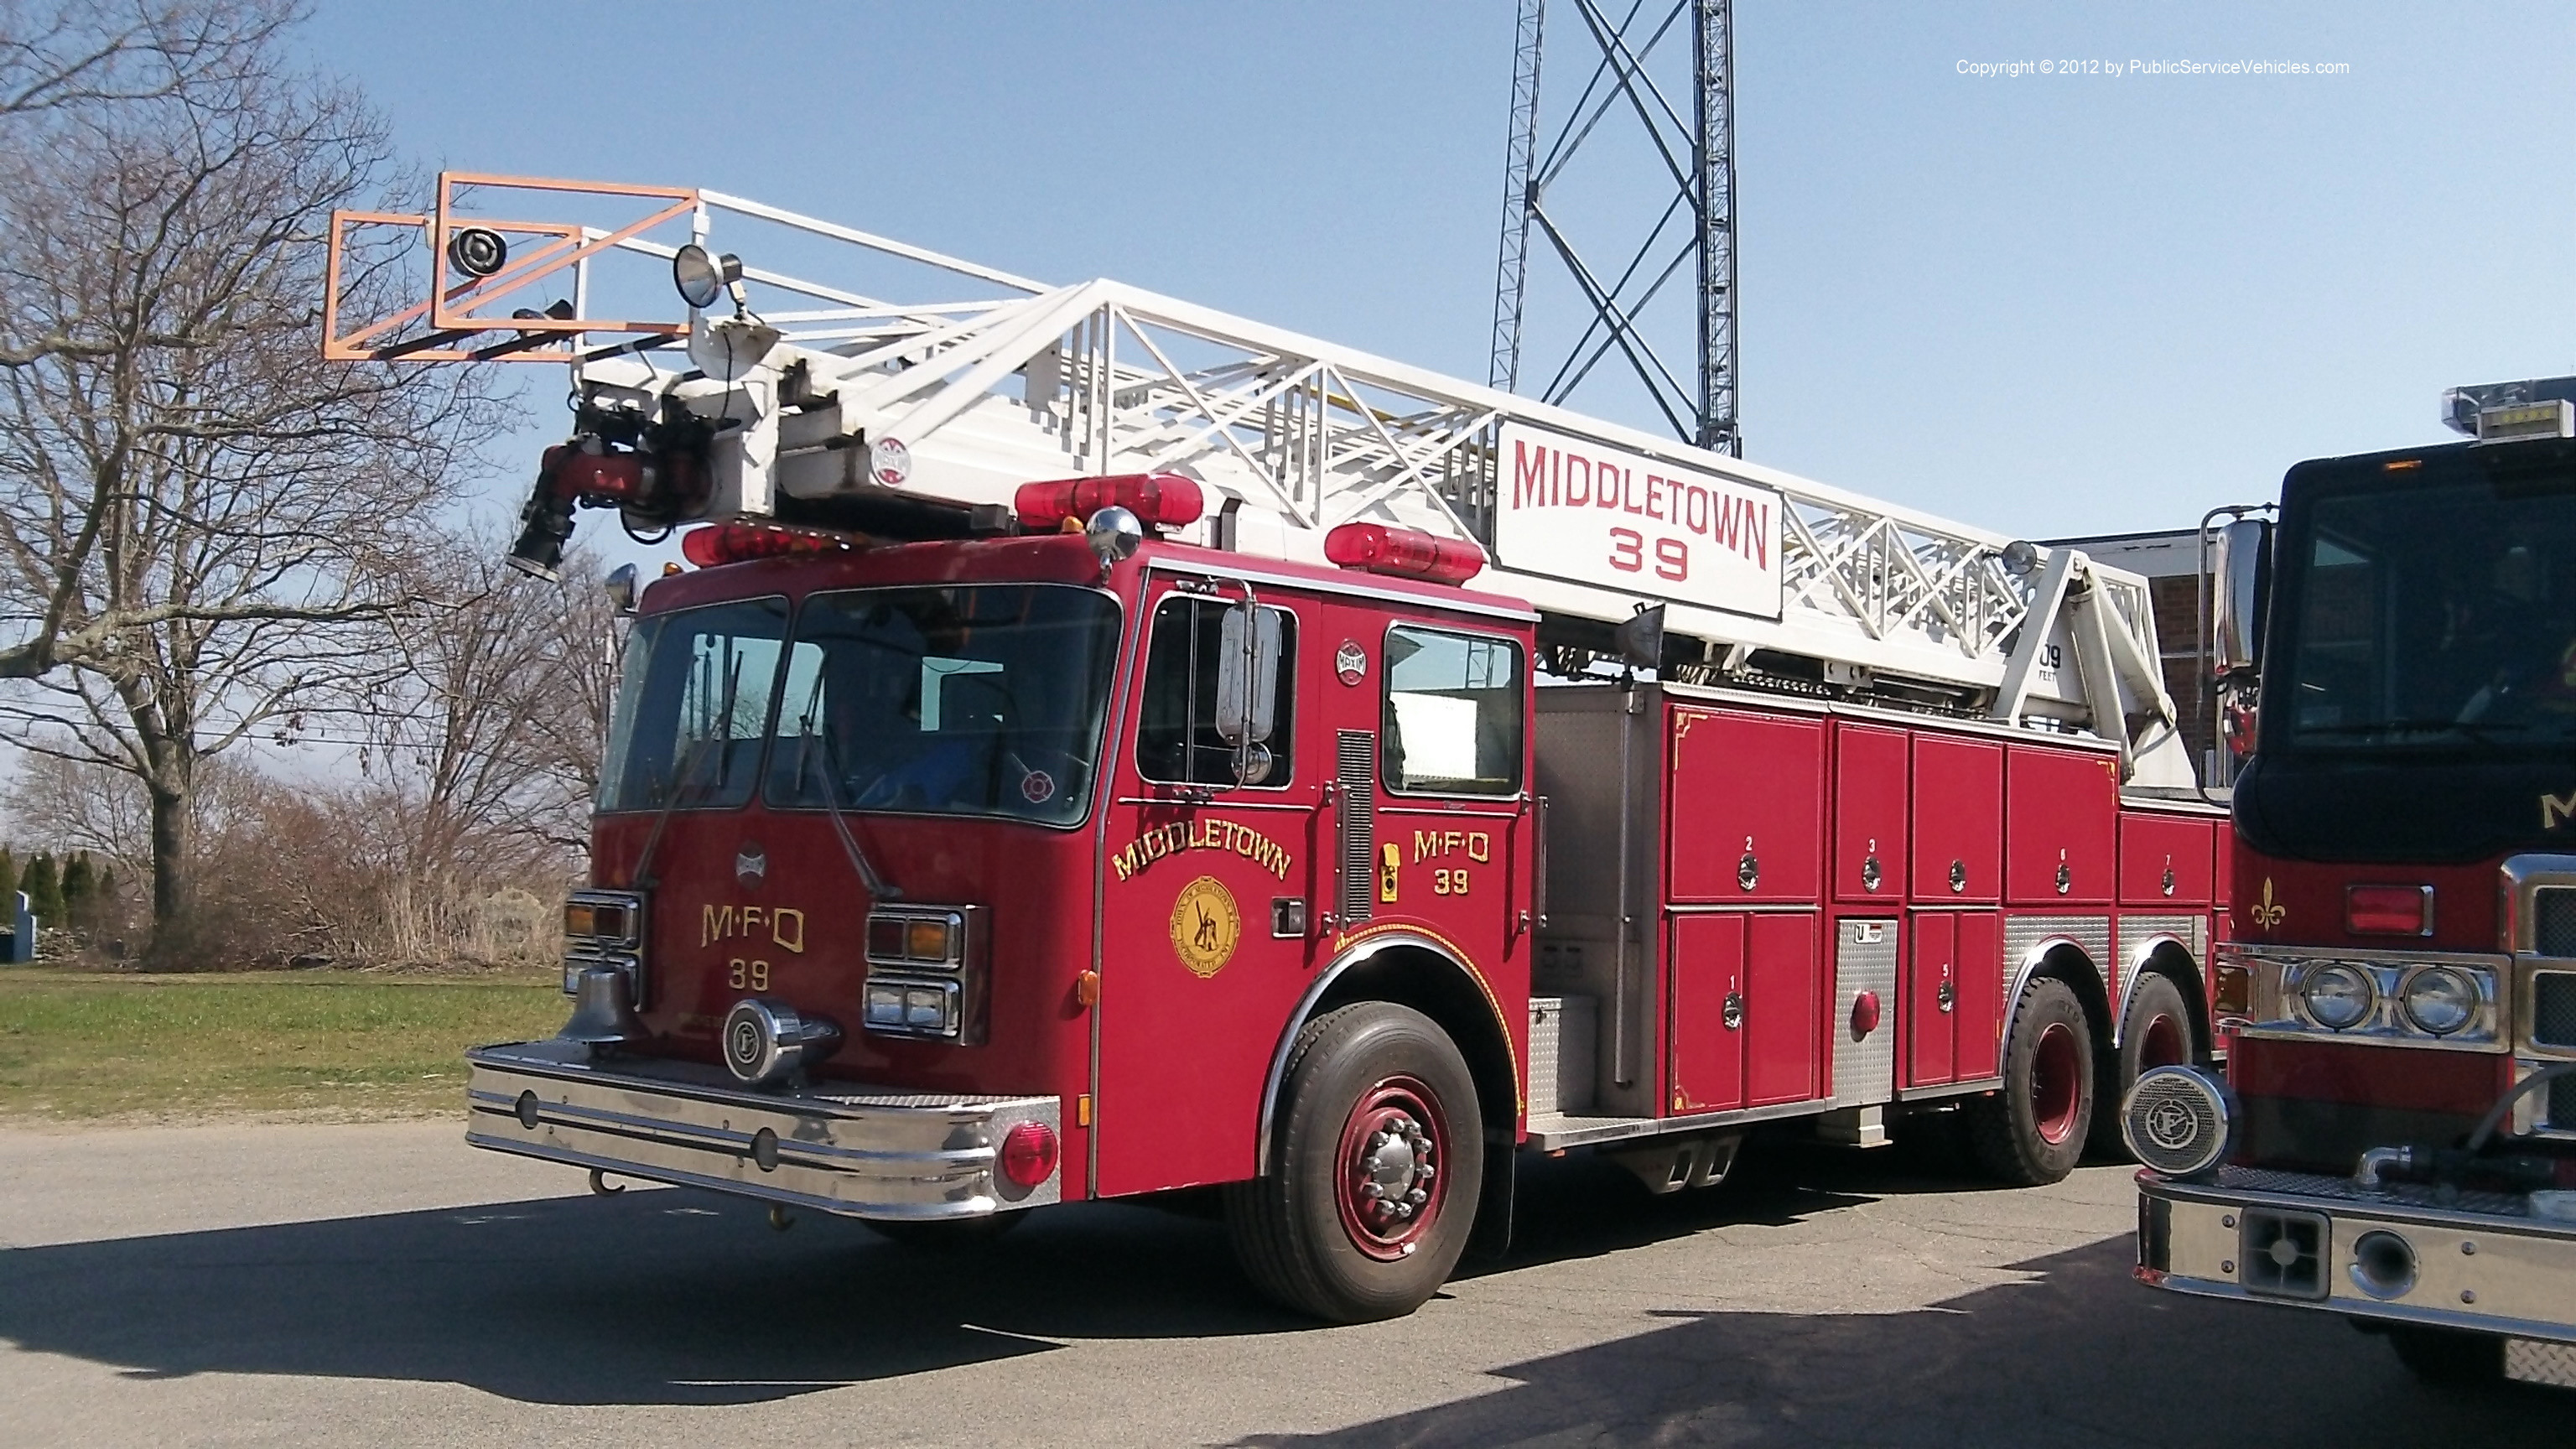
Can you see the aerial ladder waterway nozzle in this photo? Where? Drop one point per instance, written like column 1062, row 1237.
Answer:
column 913, row 393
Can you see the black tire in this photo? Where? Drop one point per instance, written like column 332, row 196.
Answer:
column 1368, row 1065
column 946, row 1234
column 2156, row 1031
column 2030, row 1133
column 2448, row 1358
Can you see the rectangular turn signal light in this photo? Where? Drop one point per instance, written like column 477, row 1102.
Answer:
column 2388, row 910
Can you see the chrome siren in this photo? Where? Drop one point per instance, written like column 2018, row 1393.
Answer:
column 2177, row 1120
column 765, row 1042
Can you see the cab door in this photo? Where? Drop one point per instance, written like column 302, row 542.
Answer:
column 1209, row 896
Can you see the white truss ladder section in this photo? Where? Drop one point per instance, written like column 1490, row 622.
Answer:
column 1290, row 436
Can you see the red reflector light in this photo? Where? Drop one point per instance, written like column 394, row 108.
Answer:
column 725, row 543
column 2388, row 910
column 1159, row 500
column 1028, row 1153
column 1407, row 553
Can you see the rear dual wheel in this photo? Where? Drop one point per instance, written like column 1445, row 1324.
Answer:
column 2032, row 1132
column 2158, row 1034
column 1375, row 1170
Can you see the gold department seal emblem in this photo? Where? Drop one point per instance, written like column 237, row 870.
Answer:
column 1205, row 926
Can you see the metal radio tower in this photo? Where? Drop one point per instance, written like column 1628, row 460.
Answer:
column 1695, row 229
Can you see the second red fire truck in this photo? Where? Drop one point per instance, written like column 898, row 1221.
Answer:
column 1327, row 781
column 2395, row 1138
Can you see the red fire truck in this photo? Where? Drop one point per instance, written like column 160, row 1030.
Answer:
column 1108, row 747
column 2395, row 1136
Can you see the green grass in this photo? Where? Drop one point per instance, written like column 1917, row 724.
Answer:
column 77, row 1045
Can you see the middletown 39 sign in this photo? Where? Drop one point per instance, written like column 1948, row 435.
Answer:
column 1593, row 514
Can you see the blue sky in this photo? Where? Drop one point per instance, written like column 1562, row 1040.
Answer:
column 2048, row 305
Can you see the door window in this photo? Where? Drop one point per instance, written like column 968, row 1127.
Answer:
column 1453, row 713
column 1177, row 742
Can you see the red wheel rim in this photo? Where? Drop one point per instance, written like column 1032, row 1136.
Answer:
column 1391, row 1174
column 2162, row 1044
column 2056, row 1083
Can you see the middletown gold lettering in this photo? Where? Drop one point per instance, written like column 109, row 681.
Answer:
column 1225, row 835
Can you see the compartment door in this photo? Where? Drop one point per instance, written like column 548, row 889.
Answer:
column 2062, row 815
column 1869, row 813
column 1958, row 819
column 1977, row 971
column 1931, row 999
column 1745, row 821
column 1707, row 1026
column 1783, row 1003
column 2164, row 861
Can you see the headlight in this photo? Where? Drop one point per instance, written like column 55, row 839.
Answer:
column 2439, row 1000
column 2338, row 997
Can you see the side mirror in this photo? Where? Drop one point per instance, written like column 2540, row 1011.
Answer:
column 1247, row 676
column 2240, row 568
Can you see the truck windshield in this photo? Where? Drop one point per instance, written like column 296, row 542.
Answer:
column 2432, row 609
column 976, row 700
column 693, row 708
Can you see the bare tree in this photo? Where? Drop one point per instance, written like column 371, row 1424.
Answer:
column 86, row 55
column 202, row 524
column 489, row 736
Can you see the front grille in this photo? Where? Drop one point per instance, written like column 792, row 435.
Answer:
column 2553, row 1008
column 2562, row 1104
column 2553, row 920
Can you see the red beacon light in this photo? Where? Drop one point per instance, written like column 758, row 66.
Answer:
column 725, row 543
column 1159, row 500
column 1378, row 548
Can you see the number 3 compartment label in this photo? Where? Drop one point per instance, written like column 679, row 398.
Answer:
column 1595, row 514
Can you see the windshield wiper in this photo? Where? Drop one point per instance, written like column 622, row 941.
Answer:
column 815, row 728
column 719, row 744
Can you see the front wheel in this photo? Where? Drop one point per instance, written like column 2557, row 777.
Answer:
column 2032, row 1132
column 1373, row 1184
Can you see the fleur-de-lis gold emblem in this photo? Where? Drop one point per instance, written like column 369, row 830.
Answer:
column 2267, row 914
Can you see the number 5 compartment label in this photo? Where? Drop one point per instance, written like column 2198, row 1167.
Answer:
column 1600, row 515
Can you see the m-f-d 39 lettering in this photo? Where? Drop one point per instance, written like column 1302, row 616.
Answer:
column 784, row 925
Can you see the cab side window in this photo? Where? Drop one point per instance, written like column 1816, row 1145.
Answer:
column 1453, row 713
column 1176, row 739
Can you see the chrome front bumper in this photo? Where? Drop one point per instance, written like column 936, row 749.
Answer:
column 839, row 1148
column 2481, row 1260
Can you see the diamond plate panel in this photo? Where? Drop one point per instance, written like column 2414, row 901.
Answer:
column 2533, row 1361
column 1864, row 960
column 1563, row 1030
column 2022, row 935
column 2396, row 1194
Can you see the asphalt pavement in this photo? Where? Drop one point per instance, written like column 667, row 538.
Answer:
column 385, row 1285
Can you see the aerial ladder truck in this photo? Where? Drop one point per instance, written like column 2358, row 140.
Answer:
column 1108, row 747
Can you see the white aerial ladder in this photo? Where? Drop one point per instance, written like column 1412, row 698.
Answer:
column 826, row 396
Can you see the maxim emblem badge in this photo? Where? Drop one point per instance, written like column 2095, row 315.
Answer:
column 2556, row 809
column 750, row 866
